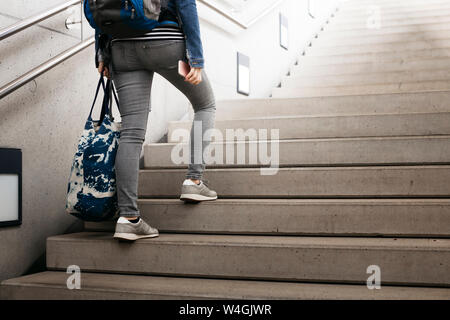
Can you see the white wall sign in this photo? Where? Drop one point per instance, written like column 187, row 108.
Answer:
column 284, row 32
column 243, row 74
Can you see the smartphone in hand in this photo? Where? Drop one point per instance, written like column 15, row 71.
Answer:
column 183, row 68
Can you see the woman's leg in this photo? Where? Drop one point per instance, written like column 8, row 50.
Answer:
column 202, row 99
column 133, row 88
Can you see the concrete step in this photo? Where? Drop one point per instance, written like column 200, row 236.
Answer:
column 394, row 15
column 410, row 11
column 331, row 41
column 51, row 285
column 317, row 259
column 366, row 78
column 319, row 48
column 377, row 57
column 330, row 68
column 333, row 126
column 363, row 23
column 413, row 48
column 362, row 5
column 400, row 103
column 429, row 28
column 390, row 9
column 323, row 217
column 382, row 88
column 319, row 182
column 312, row 152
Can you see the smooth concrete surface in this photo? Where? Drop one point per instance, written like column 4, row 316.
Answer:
column 377, row 57
column 357, row 5
column 332, row 40
column 323, row 217
column 411, row 10
column 379, row 88
column 318, row 259
column 50, row 285
column 332, row 126
column 416, row 48
column 44, row 120
column 340, row 105
column 314, row 152
column 359, row 32
column 367, row 182
column 387, row 46
column 331, row 68
column 385, row 23
column 26, row 50
column 394, row 15
column 372, row 78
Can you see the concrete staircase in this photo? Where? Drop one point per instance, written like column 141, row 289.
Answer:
column 364, row 179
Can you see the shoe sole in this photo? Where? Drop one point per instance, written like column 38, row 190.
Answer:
column 196, row 197
column 132, row 236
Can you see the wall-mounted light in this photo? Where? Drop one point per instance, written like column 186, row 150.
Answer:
column 10, row 187
column 243, row 74
column 284, row 32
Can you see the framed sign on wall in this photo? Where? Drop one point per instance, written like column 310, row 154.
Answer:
column 10, row 187
column 243, row 74
column 284, row 32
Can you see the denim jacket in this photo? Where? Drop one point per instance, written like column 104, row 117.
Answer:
column 186, row 11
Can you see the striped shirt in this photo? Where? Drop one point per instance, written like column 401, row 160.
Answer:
column 164, row 32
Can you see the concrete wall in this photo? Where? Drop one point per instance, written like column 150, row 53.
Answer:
column 45, row 117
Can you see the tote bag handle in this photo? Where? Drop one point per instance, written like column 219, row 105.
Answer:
column 108, row 101
column 100, row 83
column 108, row 91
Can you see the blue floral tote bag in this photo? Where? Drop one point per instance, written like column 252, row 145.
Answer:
column 91, row 192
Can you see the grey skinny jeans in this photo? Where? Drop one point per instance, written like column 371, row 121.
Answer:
column 133, row 67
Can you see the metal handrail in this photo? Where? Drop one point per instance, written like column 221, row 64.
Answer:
column 243, row 25
column 53, row 62
column 28, row 22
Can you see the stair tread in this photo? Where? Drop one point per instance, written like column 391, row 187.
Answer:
column 331, row 217
column 315, row 116
column 380, row 73
column 320, row 168
column 120, row 286
column 309, row 201
column 290, row 258
column 309, row 140
column 268, row 241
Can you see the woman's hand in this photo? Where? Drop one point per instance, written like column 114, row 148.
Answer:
column 194, row 76
column 103, row 70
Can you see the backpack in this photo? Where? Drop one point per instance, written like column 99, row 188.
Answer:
column 124, row 18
